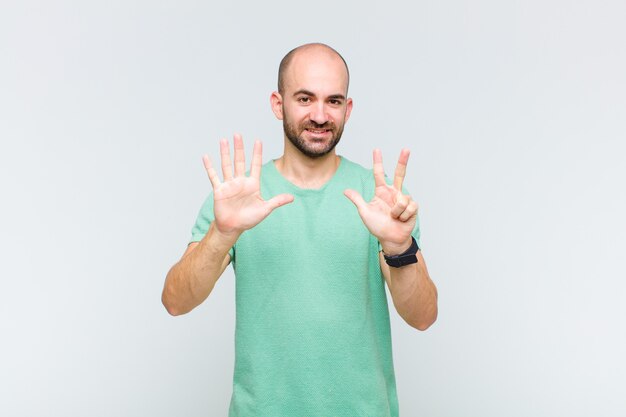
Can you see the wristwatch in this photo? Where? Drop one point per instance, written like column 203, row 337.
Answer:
column 406, row 258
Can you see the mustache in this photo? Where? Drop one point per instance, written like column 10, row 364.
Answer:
column 312, row 125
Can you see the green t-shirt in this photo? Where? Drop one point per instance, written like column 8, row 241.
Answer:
column 312, row 324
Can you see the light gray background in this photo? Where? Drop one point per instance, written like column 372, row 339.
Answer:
column 515, row 115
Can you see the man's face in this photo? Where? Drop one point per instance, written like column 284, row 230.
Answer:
column 314, row 103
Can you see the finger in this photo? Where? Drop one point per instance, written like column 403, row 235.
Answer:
column 410, row 212
column 257, row 160
column 398, row 177
column 402, row 202
column 240, row 156
column 213, row 177
column 356, row 198
column 279, row 200
column 227, row 169
column 379, row 171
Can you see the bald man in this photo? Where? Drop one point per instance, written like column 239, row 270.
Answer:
column 322, row 236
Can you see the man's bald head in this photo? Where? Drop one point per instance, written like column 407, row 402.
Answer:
column 309, row 47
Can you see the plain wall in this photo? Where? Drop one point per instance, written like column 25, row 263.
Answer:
column 515, row 113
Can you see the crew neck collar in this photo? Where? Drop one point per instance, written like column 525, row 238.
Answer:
column 298, row 190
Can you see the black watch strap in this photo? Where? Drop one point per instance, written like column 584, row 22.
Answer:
column 406, row 258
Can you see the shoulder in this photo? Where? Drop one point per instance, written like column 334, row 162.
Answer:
column 354, row 169
column 357, row 177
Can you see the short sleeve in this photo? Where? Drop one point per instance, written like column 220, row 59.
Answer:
column 203, row 221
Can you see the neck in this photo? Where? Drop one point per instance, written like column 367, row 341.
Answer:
column 306, row 172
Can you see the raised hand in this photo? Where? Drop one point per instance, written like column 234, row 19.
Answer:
column 391, row 215
column 238, row 204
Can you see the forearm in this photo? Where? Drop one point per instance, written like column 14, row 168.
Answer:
column 414, row 294
column 190, row 281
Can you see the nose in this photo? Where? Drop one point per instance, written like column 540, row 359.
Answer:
column 319, row 114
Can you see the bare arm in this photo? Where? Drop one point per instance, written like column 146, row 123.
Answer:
column 391, row 217
column 238, row 206
column 413, row 292
column 190, row 281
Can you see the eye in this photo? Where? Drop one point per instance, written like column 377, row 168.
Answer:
column 304, row 99
column 335, row 101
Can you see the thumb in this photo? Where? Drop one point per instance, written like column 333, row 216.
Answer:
column 356, row 198
column 279, row 200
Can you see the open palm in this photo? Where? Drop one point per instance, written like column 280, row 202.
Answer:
column 238, row 204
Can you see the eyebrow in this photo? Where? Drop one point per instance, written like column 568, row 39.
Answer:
column 309, row 93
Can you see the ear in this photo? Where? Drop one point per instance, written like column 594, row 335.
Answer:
column 348, row 108
column 276, row 101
